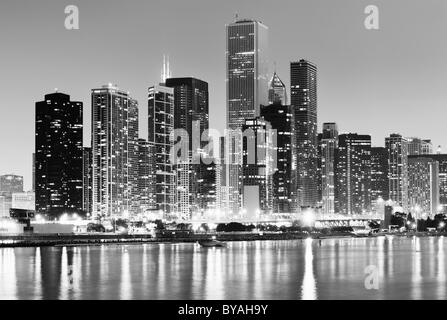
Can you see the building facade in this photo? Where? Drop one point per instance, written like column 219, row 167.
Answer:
column 379, row 175
column 303, row 98
column 59, row 155
column 423, row 186
column 191, row 114
column 247, row 70
column 160, row 138
column 114, row 152
column 328, row 146
column 353, row 174
column 281, row 119
column 258, row 167
column 397, row 148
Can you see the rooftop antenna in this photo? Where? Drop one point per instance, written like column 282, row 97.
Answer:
column 236, row 16
column 165, row 72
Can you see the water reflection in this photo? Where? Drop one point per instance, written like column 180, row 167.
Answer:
column 308, row 288
column 409, row 268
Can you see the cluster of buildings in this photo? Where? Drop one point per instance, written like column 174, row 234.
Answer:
column 271, row 160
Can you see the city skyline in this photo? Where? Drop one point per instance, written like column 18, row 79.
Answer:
column 73, row 74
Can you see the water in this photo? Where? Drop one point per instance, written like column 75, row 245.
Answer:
column 408, row 268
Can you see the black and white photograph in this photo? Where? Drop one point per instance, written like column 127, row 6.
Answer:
column 234, row 151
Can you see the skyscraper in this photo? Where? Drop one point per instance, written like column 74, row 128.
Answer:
column 191, row 113
column 353, row 174
column 59, row 155
column 247, row 70
column 303, row 97
column 247, row 89
column 160, row 130
column 258, row 167
column 280, row 118
column 114, row 151
column 328, row 146
column 379, row 174
column 146, row 177
column 397, row 147
column 277, row 91
column 441, row 159
column 423, row 186
column 87, row 180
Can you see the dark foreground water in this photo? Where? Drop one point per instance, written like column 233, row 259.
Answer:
column 407, row 268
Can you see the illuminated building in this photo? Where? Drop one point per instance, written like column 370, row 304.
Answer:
column 280, row 118
column 379, row 174
column 328, row 145
column 146, row 177
column 160, row 128
column 397, row 148
column 277, row 91
column 87, row 179
column 303, row 98
column 58, row 155
column 353, row 174
column 423, row 186
column 247, row 70
column 258, row 167
column 192, row 115
column 114, row 152
column 441, row 159
column 246, row 90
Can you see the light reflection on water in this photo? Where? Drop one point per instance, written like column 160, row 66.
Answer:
column 409, row 268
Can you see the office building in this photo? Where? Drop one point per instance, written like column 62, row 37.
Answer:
column 328, row 146
column 397, row 148
column 353, row 174
column 423, row 186
column 303, row 98
column 160, row 131
column 114, row 152
column 59, row 155
column 284, row 188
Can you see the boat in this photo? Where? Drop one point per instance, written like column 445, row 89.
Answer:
column 212, row 243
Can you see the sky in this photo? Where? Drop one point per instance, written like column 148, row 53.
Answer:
column 377, row 82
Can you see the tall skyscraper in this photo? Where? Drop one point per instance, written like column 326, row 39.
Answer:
column 353, row 174
column 328, row 146
column 277, row 91
column 379, row 175
column 160, row 130
column 397, row 147
column 303, row 97
column 146, row 177
column 258, row 167
column 87, row 180
column 280, row 118
column 247, row 70
column 423, row 186
column 58, row 155
column 247, row 89
column 114, row 152
column 191, row 113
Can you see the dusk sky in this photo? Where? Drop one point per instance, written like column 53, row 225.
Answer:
column 369, row 81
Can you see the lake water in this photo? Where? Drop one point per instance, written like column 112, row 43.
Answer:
column 407, row 268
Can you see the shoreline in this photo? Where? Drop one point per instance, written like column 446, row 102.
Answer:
column 72, row 240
